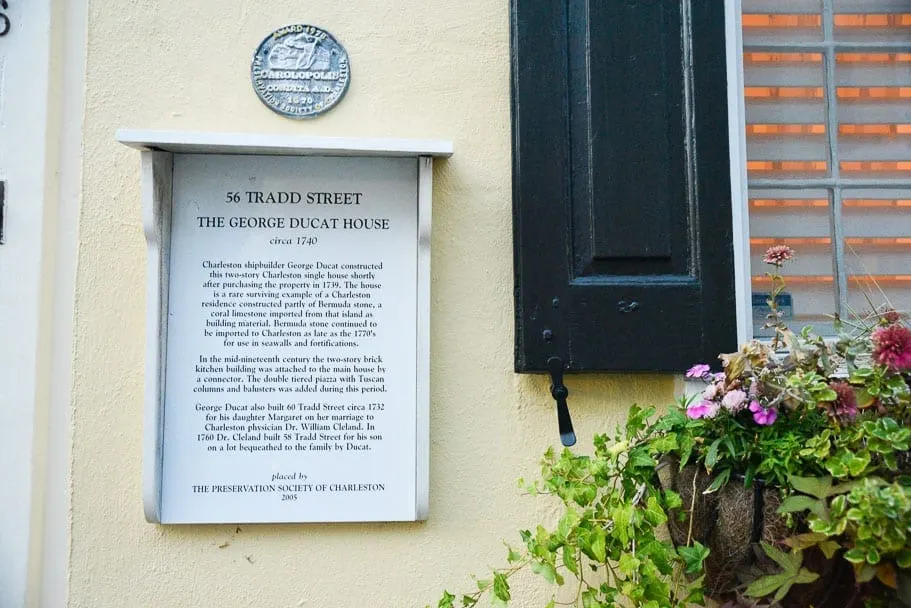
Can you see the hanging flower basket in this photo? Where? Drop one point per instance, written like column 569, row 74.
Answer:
column 732, row 522
column 785, row 483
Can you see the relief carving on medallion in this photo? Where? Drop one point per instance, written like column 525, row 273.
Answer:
column 5, row 24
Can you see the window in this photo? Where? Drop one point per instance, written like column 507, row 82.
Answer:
column 828, row 112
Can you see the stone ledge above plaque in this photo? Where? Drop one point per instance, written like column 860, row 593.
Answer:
column 288, row 305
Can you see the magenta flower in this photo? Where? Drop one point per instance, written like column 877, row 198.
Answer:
column 765, row 417
column 734, row 401
column 892, row 347
column 697, row 371
column 777, row 255
column 761, row 415
column 703, row 409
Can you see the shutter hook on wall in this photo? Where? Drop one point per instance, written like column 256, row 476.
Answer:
column 560, row 393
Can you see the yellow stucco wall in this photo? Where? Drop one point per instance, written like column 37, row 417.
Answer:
column 435, row 69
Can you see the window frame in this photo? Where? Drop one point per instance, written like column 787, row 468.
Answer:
column 835, row 182
column 733, row 10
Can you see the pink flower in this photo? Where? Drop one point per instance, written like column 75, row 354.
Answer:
column 734, row 401
column 703, row 409
column 777, row 255
column 845, row 405
column 761, row 415
column 892, row 347
column 765, row 417
column 710, row 392
column 697, row 371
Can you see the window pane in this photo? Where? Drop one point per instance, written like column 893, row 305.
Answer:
column 874, row 114
column 786, row 116
column 800, row 220
column 789, row 213
column 767, row 21
column 873, row 22
column 866, row 6
column 873, row 69
column 878, row 249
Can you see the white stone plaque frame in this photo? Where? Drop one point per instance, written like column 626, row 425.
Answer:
column 158, row 149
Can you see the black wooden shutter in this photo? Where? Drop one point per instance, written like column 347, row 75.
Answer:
column 621, row 184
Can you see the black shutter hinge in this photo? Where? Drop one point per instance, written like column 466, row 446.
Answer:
column 560, row 393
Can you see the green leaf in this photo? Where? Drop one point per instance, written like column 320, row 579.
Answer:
column 794, row 504
column 865, row 574
column 804, row 541
column 551, row 604
column 544, row 570
column 855, row 556
column 639, row 458
column 767, row 585
column 446, row 600
column 628, row 564
column 789, row 562
column 468, row 601
column 805, row 576
column 711, row 455
column 569, row 521
column 569, row 559
column 783, row 591
column 814, row 486
column 659, row 553
column 622, row 517
column 845, row 487
column 483, row 583
column 654, row 513
column 590, row 599
column 693, row 557
column 858, row 463
column 500, row 589
column 664, row 445
column 672, row 500
column 904, row 559
column 864, row 398
column 829, row 548
column 720, row 480
column 599, row 545
column 836, row 468
column 687, row 444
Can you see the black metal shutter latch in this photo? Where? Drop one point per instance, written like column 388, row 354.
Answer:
column 560, row 393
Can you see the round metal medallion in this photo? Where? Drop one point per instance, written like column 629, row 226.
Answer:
column 300, row 71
